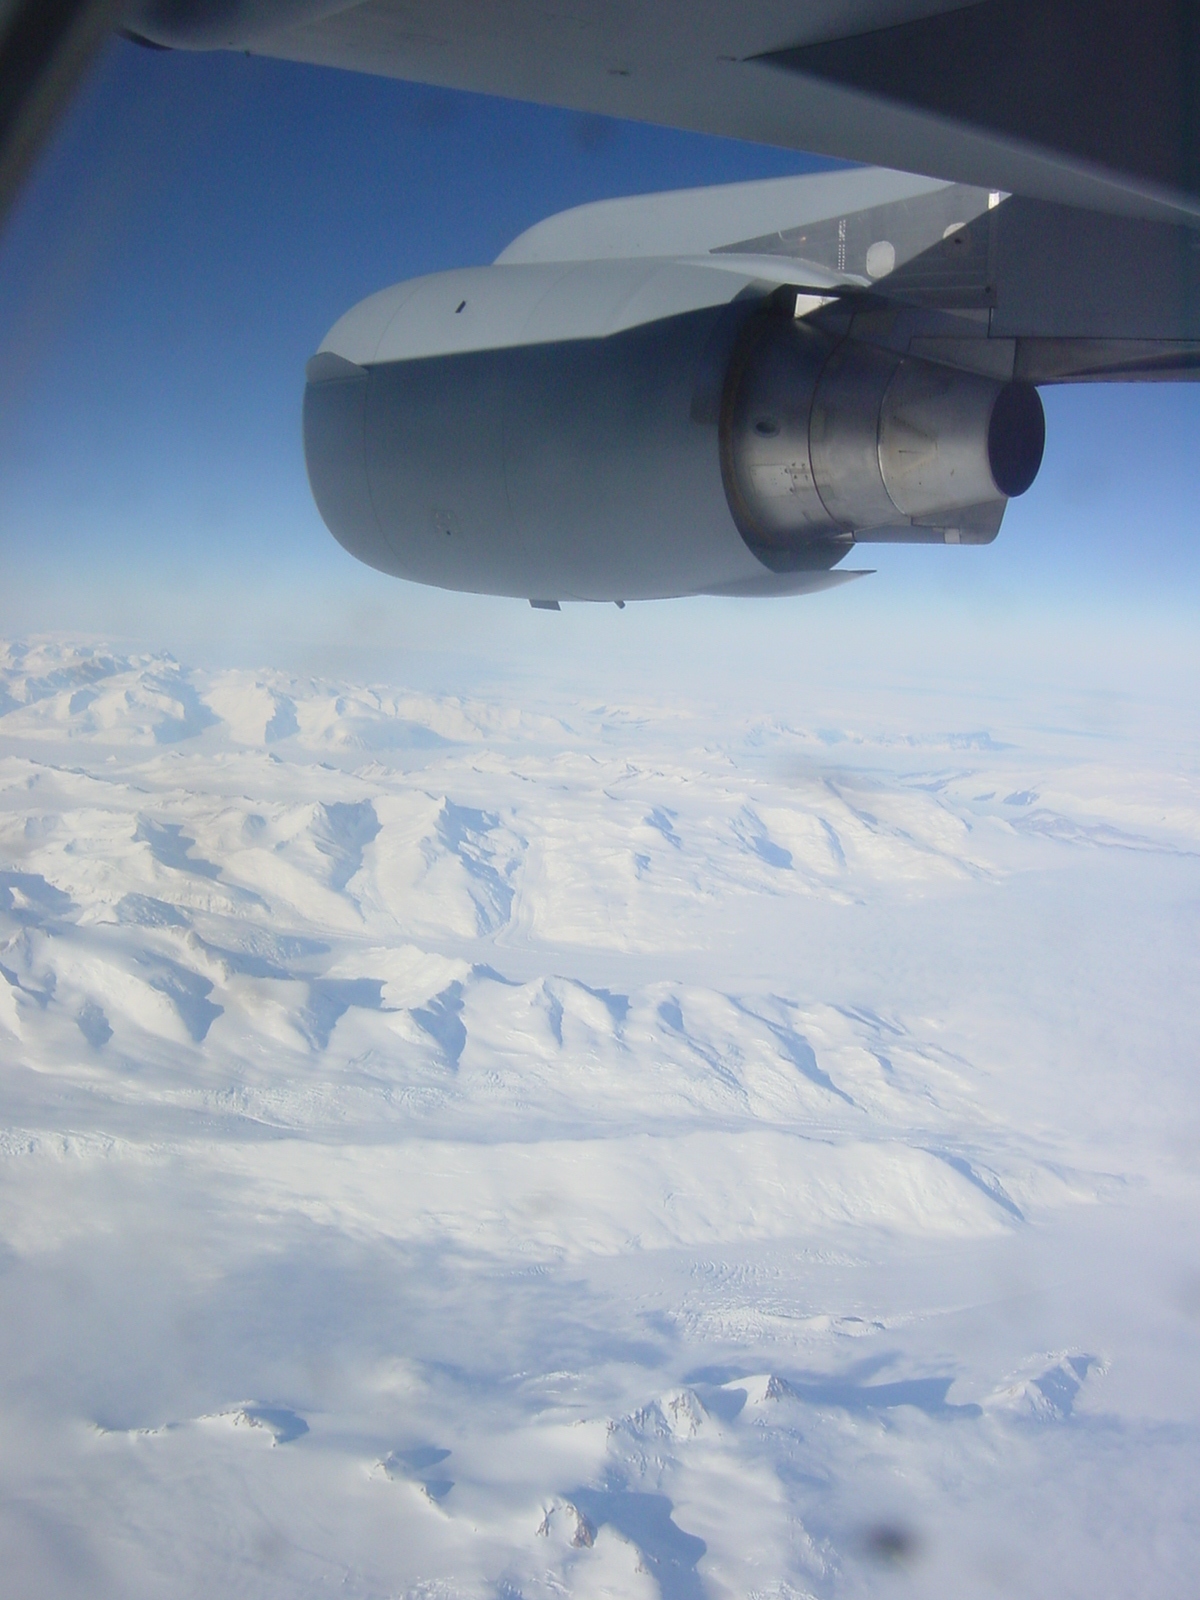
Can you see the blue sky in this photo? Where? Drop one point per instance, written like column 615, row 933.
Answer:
column 198, row 224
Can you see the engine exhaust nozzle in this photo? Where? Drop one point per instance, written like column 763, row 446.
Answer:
column 824, row 444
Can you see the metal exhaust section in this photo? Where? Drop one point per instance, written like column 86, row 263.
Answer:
column 1016, row 438
column 823, row 445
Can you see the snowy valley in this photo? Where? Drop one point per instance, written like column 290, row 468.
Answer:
column 478, row 1147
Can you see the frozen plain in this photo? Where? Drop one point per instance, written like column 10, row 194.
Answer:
column 488, row 1148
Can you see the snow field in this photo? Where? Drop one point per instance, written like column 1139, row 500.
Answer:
column 467, row 1148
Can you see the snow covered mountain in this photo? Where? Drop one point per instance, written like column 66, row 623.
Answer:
column 473, row 1148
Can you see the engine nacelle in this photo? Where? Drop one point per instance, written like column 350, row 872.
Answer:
column 617, row 431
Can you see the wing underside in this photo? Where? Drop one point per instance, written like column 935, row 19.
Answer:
column 1044, row 98
column 1090, row 270
column 997, row 284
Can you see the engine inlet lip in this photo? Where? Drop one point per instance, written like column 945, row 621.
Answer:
column 1016, row 438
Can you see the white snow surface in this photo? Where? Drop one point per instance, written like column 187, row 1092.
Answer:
column 484, row 1148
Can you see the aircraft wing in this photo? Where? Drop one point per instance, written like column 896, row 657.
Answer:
column 1086, row 103
column 1003, row 284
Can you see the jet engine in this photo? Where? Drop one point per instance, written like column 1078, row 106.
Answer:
column 604, row 431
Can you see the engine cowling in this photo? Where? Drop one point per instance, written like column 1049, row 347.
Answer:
column 728, row 448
